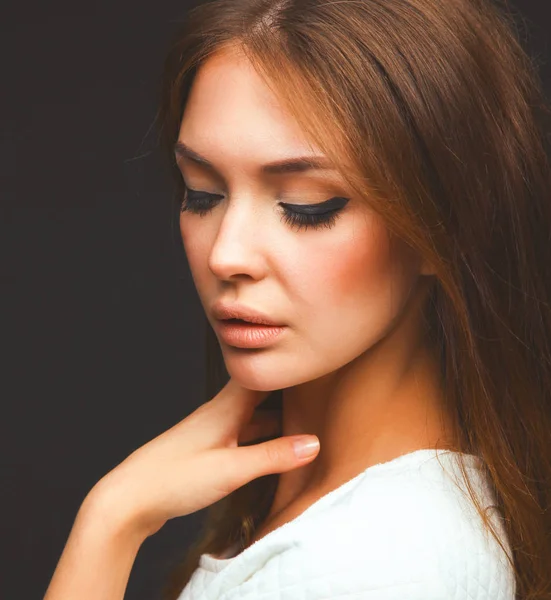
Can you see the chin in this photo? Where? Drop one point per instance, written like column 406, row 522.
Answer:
column 256, row 381
column 268, row 375
column 258, row 373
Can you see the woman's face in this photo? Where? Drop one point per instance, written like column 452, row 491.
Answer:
column 337, row 287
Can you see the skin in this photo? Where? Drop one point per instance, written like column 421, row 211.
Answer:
column 354, row 365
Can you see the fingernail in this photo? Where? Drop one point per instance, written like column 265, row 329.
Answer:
column 305, row 446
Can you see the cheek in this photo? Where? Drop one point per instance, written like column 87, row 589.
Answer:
column 191, row 242
column 196, row 242
column 349, row 271
column 361, row 266
column 353, row 286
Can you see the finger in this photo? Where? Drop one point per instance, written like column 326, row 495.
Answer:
column 264, row 424
column 275, row 456
column 243, row 400
column 245, row 395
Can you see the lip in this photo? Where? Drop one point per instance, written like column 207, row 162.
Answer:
column 248, row 335
column 223, row 311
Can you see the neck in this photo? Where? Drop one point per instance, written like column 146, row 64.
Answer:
column 385, row 403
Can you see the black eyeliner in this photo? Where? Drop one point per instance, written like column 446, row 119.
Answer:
column 332, row 204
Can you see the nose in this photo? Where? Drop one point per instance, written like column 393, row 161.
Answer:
column 236, row 250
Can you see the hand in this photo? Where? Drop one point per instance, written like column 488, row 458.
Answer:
column 198, row 461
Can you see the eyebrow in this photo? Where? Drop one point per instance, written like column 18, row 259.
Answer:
column 299, row 164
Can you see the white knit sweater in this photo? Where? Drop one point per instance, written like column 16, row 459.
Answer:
column 400, row 530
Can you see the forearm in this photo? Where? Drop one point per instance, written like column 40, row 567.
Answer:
column 97, row 558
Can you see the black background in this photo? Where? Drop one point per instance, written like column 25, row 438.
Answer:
column 101, row 326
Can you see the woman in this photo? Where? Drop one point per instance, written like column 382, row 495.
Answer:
column 366, row 183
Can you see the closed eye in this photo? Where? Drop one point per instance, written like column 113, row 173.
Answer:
column 322, row 214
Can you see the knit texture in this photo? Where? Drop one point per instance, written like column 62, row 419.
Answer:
column 405, row 529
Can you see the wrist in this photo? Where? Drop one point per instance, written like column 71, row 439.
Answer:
column 99, row 513
column 97, row 558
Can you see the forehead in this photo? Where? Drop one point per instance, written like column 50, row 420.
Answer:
column 231, row 115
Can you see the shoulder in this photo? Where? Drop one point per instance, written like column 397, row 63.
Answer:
column 405, row 531
column 415, row 528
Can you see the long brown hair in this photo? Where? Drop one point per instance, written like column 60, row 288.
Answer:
column 435, row 115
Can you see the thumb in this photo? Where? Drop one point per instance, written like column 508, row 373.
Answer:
column 277, row 456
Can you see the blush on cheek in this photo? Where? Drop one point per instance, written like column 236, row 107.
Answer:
column 360, row 265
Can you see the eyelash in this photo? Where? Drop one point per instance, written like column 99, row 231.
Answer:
column 201, row 204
